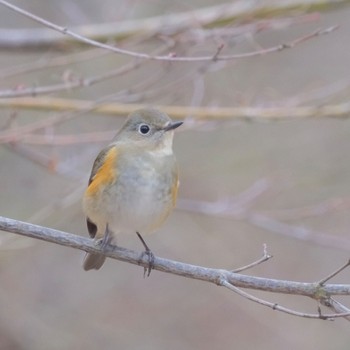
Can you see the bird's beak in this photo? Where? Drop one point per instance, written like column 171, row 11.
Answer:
column 172, row 126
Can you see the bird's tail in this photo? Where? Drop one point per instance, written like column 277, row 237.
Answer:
column 93, row 261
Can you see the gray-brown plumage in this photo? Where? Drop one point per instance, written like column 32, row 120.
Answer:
column 134, row 181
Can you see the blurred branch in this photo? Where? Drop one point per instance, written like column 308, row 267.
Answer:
column 75, row 83
column 50, row 62
column 70, row 85
column 242, row 28
column 324, row 207
column 66, row 139
column 74, row 108
column 164, row 25
column 238, row 210
column 48, row 161
column 15, row 134
column 233, row 281
column 340, row 110
column 297, row 231
column 171, row 57
column 192, row 36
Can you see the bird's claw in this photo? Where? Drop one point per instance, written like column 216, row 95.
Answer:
column 147, row 269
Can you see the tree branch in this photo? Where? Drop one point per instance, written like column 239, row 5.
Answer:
column 175, row 23
column 220, row 277
column 280, row 308
column 340, row 110
column 171, row 57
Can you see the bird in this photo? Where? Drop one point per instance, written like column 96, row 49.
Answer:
column 133, row 183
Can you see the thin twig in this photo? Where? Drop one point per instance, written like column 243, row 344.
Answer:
column 336, row 272
column 69, row 85
column 173, row 58
column 218, row 51
column 50, row 62
column 336, row 306
column 172, row 24
column 20, row 132
column 278, row 307
column 76, row 83
column 264, row 258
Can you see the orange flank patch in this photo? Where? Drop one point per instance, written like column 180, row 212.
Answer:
column 106, row 174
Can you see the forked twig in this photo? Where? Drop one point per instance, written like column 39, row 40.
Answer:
column 264, row 258
column 278, row 307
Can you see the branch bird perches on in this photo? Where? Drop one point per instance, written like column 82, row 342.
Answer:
column 320, row 291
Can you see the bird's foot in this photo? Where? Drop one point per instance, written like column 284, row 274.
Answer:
column 103, row 242
column 147, row 270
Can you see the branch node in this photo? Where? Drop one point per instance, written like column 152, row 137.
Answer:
column 321, row 316
column 221, row 280
column 285, row 46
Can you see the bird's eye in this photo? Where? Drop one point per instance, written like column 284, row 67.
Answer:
column 144, row 129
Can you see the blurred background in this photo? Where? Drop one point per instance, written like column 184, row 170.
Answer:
column 244, row 182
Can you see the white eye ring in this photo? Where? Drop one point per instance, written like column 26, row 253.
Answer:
column 144, row 129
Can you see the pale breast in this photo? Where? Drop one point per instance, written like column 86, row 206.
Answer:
column 143, row 195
